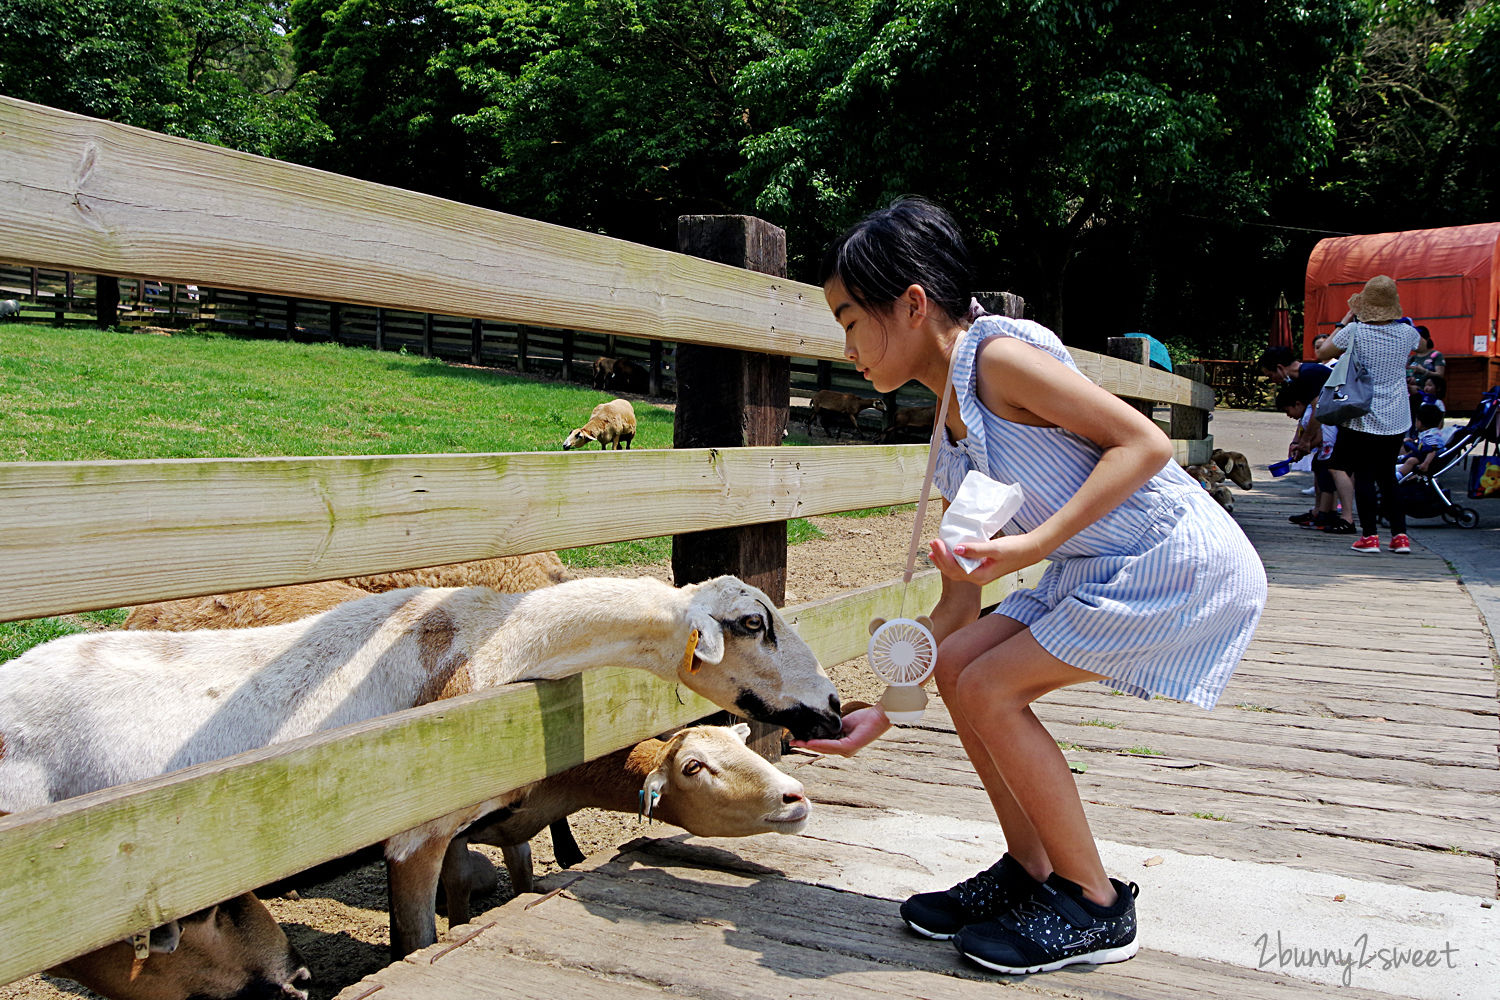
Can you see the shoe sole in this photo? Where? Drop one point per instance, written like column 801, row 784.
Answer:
column 1401, row 552
column 1365, row 551
column 932, row 935
column 1106, row 956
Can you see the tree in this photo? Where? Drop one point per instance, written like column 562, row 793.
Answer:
column 1047, row 126
column 212, row 70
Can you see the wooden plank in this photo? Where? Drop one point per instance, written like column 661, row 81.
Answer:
column 105, row 534
column 89, row 195
column 86, row 194
column 136, row 855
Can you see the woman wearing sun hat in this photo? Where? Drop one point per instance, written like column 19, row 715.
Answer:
column 1368, row 445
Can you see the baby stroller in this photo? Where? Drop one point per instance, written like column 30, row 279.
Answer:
column 1420, row 493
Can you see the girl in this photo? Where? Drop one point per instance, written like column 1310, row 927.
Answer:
column 1153, row 588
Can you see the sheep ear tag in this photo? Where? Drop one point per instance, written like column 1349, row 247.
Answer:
column 903, row 652
column 651, row 791
column 690, row 662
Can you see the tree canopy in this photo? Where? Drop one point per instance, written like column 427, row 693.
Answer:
column 1151, row 165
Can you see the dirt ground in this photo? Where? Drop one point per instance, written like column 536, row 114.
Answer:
column 340, row 926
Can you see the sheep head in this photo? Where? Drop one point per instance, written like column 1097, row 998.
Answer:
column 577, row 439
column 707, row 781
column 234, row 949
column 757, row 666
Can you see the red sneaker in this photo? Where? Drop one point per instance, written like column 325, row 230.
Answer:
column 1400, row 543
column 1369, row 543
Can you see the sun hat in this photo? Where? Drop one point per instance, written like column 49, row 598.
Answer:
column 1378, row 302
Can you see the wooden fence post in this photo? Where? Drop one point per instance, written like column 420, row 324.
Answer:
column 727, row 399
column 106, row 300
column 1189, row 424
column 476, row 341
column 1137, row 351
column 427, row 335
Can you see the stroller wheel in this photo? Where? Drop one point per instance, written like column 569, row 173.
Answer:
column 1468, row 517
column 1450, row 514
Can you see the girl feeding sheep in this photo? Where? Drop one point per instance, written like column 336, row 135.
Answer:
column 1152, row 587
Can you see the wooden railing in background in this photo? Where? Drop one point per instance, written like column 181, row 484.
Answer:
column 93, row 196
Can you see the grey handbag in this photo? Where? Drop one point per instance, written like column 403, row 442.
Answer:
column 1349, row 391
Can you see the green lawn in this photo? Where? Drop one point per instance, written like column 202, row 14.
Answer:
column 84, row 394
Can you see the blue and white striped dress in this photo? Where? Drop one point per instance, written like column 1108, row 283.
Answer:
column 1161, row 595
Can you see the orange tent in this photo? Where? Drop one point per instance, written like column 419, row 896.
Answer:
column 1449, row 281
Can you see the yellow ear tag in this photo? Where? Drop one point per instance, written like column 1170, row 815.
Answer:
column 689, row 664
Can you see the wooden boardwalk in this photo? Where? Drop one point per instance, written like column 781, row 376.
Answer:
column 1358, row 739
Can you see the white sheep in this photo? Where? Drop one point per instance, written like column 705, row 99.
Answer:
column 71, row 709
column 9, row 307
column 611, row 423
column 704, row 779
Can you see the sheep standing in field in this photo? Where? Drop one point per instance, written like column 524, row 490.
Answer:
column 706, row 780
column 620, row 375
column 610, row 423
column 9, row 307
column 834, row 410
column 72, row 710
column 915, row 420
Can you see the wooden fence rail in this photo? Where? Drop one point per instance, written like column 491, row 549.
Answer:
column 93, row 196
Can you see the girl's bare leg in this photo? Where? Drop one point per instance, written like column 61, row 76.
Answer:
column 954, row 654
column 996, row 688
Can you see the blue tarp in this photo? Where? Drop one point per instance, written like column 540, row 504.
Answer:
column 1159, row 356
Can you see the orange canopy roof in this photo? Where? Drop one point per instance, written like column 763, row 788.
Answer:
column 1448, row 280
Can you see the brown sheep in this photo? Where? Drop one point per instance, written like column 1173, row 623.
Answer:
column 620, row 375
column 1235, row 466
column 611, row 423
column 1212, row 479
column 915, row 420
column 509, row 574
column 244, row 608
column 835, row 409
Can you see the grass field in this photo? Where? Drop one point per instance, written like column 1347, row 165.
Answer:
column 84, row 394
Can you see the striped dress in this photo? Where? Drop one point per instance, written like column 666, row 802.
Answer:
column 1161, row 595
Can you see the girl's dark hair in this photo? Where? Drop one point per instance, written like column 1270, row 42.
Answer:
column 913, row 242
column 1439, row 384
column 1426, row 337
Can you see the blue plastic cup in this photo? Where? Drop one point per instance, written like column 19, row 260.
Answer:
column 1279, row 469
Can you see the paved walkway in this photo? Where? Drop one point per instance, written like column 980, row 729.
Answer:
column 1336, row 820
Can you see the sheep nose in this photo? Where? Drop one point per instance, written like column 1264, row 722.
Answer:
column 791, row 797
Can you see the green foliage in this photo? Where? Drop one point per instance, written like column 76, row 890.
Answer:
column 213, row 70
column 1040, row 123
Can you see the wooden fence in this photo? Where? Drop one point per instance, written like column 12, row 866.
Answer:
column 97, row 197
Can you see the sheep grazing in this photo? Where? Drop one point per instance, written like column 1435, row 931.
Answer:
column 9, row 307
column 836, row 409
column 1235, row 466
column 611, row 423
column 226, row 952
column 507, row 574
column 913, row 420
column 620, row 375
column 708, row 782
column 71, row 710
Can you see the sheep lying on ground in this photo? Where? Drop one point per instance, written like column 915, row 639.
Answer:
column 833, row 410
column 1211, row 478
column 244, row 608
column 87, row 711
column 227, row 952
column 708, row 782
column 915, row 420
column 1235, row 466
column 611, row 423
column 507, row 574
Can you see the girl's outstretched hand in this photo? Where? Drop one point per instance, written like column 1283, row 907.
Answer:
column 1000, row 556
column 861, row 728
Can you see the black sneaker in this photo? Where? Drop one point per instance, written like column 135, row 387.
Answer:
column 1055, row 927
column 940, row 915
column 1339, row 527
column 1305, row 518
